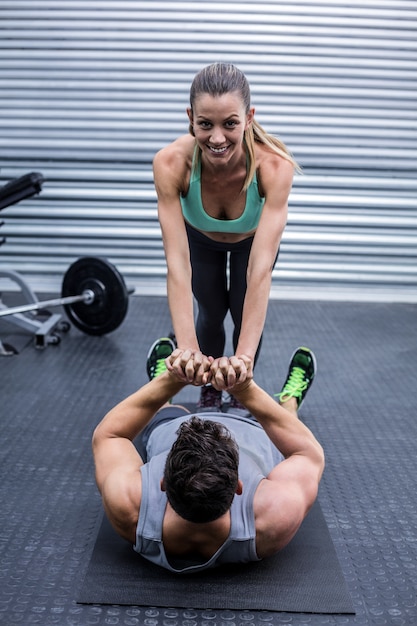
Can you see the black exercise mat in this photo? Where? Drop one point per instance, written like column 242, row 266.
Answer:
column 305, row 577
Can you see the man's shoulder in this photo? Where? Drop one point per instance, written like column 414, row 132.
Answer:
column 121, row 498
column 279, row 511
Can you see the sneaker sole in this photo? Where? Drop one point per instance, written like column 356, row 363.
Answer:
column 157, row 341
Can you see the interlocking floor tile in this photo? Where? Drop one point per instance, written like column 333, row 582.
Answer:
column 362, row 407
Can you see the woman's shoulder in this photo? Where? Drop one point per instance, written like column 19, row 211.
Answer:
column 172, row 166
column 178, row 154
column 269, row 162
column 273, row 170
column 266, row 156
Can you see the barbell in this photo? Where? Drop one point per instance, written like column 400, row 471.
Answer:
column 94, row 296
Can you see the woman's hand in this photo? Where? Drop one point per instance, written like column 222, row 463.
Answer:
column 230, row 372
column 190, row 366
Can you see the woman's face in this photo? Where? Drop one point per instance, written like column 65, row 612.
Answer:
column 219, row 123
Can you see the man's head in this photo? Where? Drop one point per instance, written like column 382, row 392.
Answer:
column 201, row 471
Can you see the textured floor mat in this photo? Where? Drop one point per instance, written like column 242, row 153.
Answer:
column 304, row 577
column 362, row 407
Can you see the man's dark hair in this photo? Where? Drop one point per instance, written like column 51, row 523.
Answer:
column 201, row 470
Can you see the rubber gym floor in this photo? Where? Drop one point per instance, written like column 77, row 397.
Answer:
column 362, row 407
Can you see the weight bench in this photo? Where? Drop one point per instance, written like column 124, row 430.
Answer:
column 44, row 330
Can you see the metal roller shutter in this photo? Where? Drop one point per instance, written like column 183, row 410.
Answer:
column 90, row 91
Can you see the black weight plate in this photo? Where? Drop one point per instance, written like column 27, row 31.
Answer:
column 111, row 297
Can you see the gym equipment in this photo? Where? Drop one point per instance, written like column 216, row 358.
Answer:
column 20, row 188
column 106, row 297
column 94, row 296
column 12, row 192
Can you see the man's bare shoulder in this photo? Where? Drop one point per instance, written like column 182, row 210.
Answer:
column 280, row 508
column 122, row 495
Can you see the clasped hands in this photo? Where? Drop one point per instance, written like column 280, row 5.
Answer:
column 194, row 368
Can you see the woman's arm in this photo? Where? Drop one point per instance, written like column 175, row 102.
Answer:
column 276, row 177
column 170, row 167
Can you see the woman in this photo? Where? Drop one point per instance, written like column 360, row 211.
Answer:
column 222, row 198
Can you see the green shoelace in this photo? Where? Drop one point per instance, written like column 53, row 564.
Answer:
column 295, row 385
column 159, row 368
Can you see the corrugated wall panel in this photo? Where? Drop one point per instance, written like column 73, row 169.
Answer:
column 90, row 91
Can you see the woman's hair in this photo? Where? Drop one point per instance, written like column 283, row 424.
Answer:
column 221, row 78
column 201, row 470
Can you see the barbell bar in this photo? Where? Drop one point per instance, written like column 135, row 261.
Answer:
column 94, row 296
column 87, row 296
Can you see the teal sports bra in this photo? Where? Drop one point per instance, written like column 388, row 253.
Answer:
column 194, row 213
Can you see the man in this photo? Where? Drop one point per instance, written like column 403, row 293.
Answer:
column 213, row 488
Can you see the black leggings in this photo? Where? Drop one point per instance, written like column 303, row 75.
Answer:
column 215, row 297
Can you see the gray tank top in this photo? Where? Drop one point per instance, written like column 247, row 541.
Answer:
column 257, row 457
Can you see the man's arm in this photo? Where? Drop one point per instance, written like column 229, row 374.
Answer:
column 284, row 499
column 117, row 461
column 284, row 429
